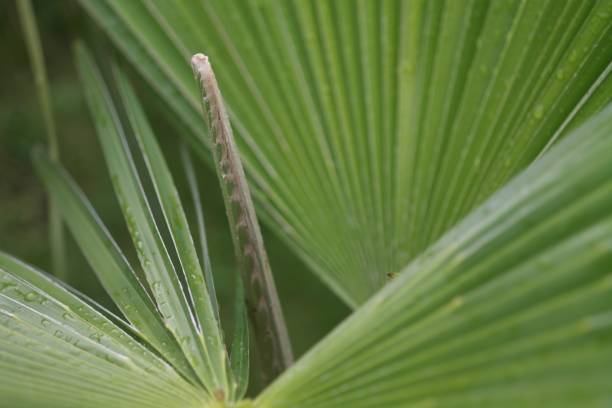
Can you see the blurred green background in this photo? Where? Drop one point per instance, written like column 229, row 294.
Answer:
column 311, row 310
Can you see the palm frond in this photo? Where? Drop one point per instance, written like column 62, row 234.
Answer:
column 57, row 349
column 109, row 263
column 175, row 218
column 206, row 354
column 375, row 136
column 369, row 128
column 512, row 307
column 171, row 350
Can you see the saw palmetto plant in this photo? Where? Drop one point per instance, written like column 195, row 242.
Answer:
column 445, row 167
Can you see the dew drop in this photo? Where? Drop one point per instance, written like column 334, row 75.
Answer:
column 456, row 302
column 156, row 286
column 5, row 286
column 560, row 74
column 31, row 296
column 538, row 112
column 67, row 316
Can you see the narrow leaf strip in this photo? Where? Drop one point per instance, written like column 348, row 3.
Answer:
column 270, row 330
column 176, row 221
column 108, row 262
column 154, row 258
column 197, row 203
column 240, row 343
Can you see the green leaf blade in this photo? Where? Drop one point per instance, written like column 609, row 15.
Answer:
column 58, row 349
column 110, row 265
column 240, row 343
column 513, row 301
column 154, row 258
column 375, row 129
column 167, row 194
column 197, row 204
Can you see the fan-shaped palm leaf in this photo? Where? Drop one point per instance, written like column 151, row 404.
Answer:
column 369, row 128
column 512, row 307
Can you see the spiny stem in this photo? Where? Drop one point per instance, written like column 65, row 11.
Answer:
column 32, row 37
column 264, row 308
